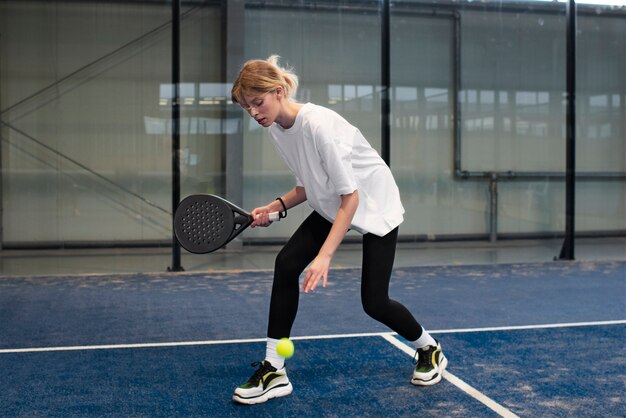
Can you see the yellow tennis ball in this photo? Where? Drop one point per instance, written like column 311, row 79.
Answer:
column 284, row 348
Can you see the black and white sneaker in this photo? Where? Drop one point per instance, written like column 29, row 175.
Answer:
column 266, row 383
column 430, row 366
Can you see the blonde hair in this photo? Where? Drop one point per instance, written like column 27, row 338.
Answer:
column 261, row 76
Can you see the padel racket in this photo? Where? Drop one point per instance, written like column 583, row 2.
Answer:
column 204, row 223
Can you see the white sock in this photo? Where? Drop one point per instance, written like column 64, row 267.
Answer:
column 424, row 340
column 272, row 356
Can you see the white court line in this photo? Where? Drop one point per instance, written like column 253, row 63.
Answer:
column 182, row 343
column 119, row 346
column 312, row 337
column 518, row 327
column 480, row 397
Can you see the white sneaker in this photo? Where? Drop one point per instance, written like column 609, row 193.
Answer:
column 266, row 383
column 430, row 366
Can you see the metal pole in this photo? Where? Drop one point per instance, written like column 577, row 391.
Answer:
column 385, row 62
column 176, row 264
column 456, row 97
column 493, row 213
column 567, row 250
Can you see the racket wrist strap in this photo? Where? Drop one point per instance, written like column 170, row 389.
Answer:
column 282, row 214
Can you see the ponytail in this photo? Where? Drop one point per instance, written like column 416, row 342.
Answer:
column 288, row 75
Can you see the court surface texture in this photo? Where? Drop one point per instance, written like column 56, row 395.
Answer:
column 528, row 340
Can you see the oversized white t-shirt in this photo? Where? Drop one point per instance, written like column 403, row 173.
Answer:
column 329, row 157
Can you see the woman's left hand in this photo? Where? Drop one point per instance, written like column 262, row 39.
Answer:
column 317, row 270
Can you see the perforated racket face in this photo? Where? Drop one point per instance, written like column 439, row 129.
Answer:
column 203, row 224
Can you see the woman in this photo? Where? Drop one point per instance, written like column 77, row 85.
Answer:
column 349, row 186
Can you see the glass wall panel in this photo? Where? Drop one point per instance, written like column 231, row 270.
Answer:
column 422, row 135
column 512, row 89
column 83, row 158
column 512, row 110
column 477, row 90
column 507, row 62
column 601, row 117
column 335, row 51
column 203, row 99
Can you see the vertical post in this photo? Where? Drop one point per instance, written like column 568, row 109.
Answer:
column 567, row 250
column 455, row 96
column 176, row 263
column 385, row 62
column 2, row 129
column 493, row 213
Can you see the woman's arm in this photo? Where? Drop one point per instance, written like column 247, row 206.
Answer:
column 293, row 198
column 320, row 266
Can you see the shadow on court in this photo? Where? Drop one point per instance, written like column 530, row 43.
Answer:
column 557, row 371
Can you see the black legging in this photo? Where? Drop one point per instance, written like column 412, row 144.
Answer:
column 378, row 256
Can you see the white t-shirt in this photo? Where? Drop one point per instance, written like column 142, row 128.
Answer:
column 329, row 157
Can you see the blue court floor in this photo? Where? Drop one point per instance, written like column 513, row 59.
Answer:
column 535, row 339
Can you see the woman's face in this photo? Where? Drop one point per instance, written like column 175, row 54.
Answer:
column 263, row 108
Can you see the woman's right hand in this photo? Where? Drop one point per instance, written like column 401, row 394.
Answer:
column 261, row 217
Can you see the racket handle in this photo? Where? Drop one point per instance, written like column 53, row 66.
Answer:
column 274, row 217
